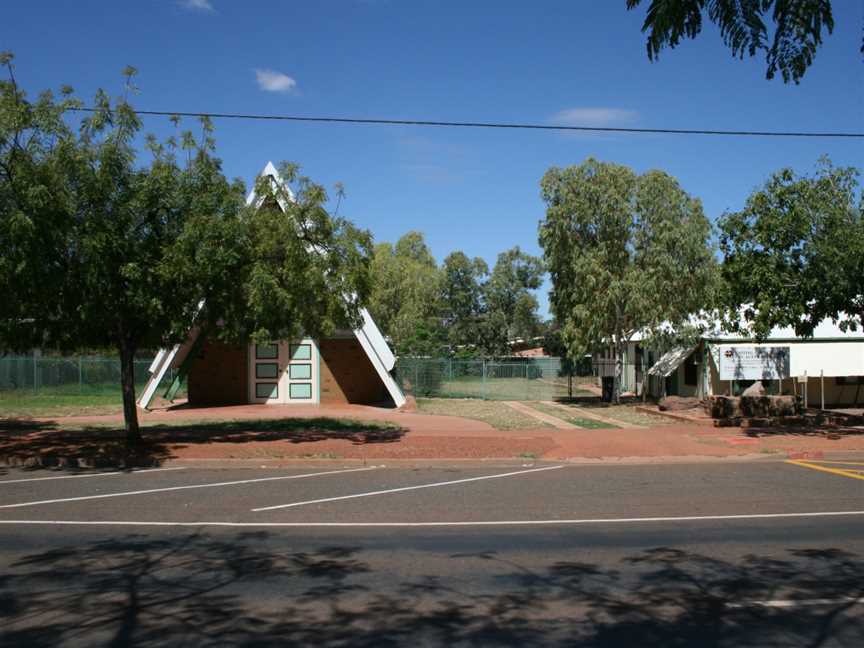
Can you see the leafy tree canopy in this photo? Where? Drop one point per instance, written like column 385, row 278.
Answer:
column 746, row 27
column 625, row 252
column 511, row 306
column 794, row 255
column 405, row 295
column 100, row 249
column 462, row 299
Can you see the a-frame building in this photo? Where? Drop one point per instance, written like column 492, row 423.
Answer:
column 349, row 367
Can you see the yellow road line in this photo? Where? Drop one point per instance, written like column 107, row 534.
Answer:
column 842, row 463
column 833, row 471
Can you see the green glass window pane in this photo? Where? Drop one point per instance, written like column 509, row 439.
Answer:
column 300, row 390
column 266, row 351
column 266, row 370
column 301, row 351
column 266, row 390
column 300, row 371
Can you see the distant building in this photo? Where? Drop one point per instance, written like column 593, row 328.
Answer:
column 829, row 366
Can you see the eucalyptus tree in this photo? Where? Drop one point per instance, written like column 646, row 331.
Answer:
column 510, row 303
column 626, row 253
column 462, row 303
column 405, row 295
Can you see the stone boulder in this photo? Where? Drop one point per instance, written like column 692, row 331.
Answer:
column 755, row 390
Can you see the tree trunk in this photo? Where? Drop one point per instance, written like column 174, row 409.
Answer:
column 619, row 373
column 127, row 383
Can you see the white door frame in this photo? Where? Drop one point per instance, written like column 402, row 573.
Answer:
column 285, row 373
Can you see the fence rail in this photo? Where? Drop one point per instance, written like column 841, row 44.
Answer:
column 66, row 374
column 491, row 379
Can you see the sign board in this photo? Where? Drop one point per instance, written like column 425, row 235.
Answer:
column 754, row 363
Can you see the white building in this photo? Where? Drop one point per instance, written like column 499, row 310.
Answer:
column 828, row 367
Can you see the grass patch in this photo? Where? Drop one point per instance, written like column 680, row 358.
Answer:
column 582, row 422
column 498, row 415
column 23, row 402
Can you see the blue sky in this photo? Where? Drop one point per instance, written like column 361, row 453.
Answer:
column 476, row 190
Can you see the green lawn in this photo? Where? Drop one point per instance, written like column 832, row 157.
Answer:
column 573, row 418
column 495, row 414
column 24, row 402
column 68, row 400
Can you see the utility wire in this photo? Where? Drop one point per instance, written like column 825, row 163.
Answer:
column 456, row 124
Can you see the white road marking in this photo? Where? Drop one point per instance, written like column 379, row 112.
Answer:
column 176, row 488
column 102, row 474
column 404, row 488
column 792, row 603
column 481, row 523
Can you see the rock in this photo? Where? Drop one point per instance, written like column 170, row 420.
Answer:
column 756, row 389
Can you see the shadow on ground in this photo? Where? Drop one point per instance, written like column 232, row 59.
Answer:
column 200, row 590
column 41, row 444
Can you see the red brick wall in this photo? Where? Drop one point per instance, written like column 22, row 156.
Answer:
column 218, row 375
column 347, row 374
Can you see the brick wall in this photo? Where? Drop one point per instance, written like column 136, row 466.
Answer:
column 347, row 374
column 218, row 375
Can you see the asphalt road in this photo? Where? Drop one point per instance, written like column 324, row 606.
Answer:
column 738, row 554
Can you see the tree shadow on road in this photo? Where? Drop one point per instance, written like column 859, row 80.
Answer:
column 249, row 589
column 40, row 444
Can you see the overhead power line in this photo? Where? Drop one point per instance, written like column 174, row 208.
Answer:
column 501, row 125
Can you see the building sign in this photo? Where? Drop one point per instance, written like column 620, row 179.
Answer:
column 754, row 363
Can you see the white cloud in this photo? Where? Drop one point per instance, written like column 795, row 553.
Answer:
column 199, row 5
column 272, row 81
column 600, row 117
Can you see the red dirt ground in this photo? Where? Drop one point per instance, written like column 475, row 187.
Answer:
column 419, row 437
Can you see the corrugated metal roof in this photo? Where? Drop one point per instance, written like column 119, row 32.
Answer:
column 670, row 361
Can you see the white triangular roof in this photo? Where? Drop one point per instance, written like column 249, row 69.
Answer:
column 368, row 334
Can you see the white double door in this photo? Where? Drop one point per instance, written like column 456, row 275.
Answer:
column 284, row 372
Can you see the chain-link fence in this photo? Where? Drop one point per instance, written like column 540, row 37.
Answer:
column 491, row 379
column 56, row 375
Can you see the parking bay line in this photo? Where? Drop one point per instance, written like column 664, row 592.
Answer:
column 403, row 489
column 101, row 474
column 186, row 487
column 467, row 523
column 851, row 474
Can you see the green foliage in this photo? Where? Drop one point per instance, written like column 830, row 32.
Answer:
column 405, row 296
column 511, row 308
column 462, row 299
column 797, row 29
column 626, row 253
column 794, row 255
column 100, row 250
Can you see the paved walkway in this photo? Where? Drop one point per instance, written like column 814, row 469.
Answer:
column 554, row 421
column 591, row 414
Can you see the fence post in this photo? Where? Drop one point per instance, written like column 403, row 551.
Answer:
column 80, row 376
column 416, row 377
column 483, row 383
